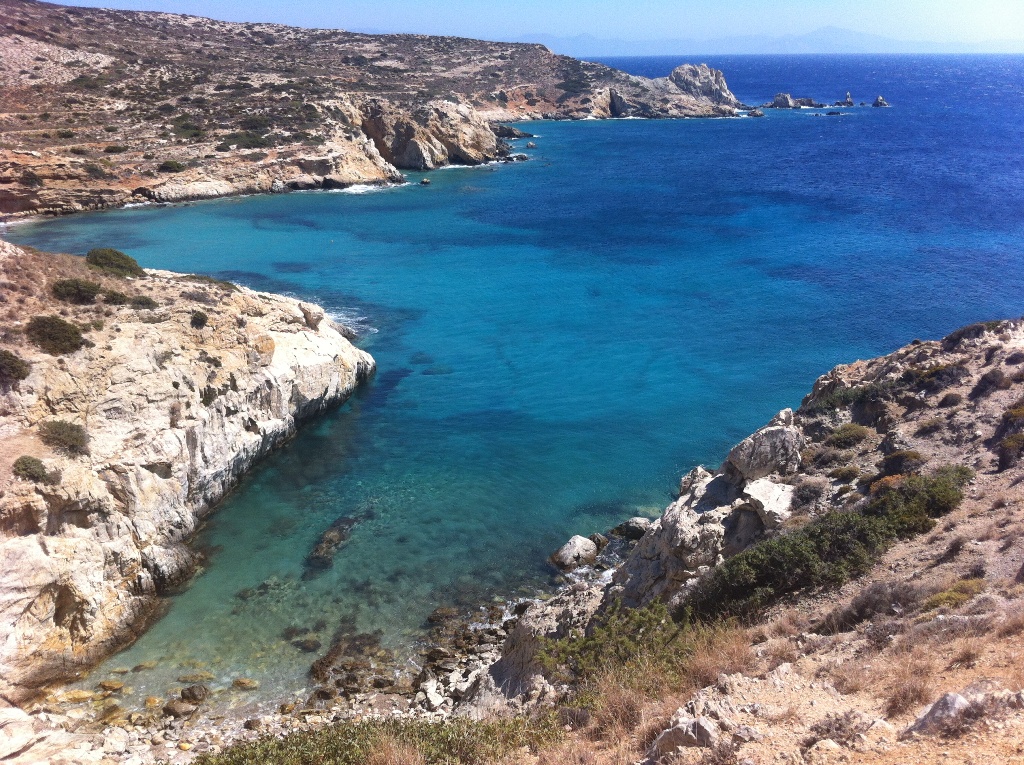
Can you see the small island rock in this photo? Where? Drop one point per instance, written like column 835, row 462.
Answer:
column 578, row 551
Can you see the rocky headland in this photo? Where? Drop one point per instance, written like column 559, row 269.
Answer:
column 132, row 401
column 104, row 108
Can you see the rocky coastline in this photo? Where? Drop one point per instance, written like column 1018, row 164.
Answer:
column 116, row 446
column 216, row 109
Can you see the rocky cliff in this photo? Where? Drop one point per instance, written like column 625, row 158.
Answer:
column 179, row 386
column 866, row 428
column 105, row 107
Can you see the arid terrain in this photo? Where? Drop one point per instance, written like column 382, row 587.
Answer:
column 100, row 108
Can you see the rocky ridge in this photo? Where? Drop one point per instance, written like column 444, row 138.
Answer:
column 106, row 107
column 179, row 391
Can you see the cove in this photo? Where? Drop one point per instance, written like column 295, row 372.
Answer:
column 559, row 340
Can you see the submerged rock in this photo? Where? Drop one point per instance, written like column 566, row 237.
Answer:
column 321, row 557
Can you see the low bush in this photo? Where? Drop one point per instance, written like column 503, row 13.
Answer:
column 935, row 378
column 113, row 297
column 1011, row 449
column 64, row 436
column 951, row 399
column 829, row 402
column 955, row 596
column 170, row 166
column 77, row 291
column 993, row 380
column 847, row 436
column 930, row 426
column 198, row 319
column 144, row 302
column 114, row 149
column 845, row 474
column 827, row 551
column 902, row 462
column 113, row 262
column 53, row 335
column 449, row 742
column 13, row 368
column 29, row 469
column 885, row 598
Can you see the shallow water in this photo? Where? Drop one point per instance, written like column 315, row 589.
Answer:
column 559, row 340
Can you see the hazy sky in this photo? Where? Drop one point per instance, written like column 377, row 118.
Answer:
column 954, row 21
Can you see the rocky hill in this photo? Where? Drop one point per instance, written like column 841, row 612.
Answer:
column 105, row 107
column 130, row 402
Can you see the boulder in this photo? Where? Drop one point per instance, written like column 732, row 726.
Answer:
column 782, row 101
column 941, row 713
column 194, row 694
column 578, row 551
column 634, row 528
column 16, row 732
column 312, row 314
column 699, row 732
column 771, row 501
column 178, row 708
column 774, row 448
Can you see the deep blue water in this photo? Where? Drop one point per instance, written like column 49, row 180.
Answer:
column 559, row 340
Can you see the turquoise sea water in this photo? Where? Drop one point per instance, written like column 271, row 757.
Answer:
column 559, row 340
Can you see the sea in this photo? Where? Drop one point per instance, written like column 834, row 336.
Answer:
column 559, row 340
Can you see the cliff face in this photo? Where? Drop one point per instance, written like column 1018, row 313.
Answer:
column 175, row 414
column 108, row 107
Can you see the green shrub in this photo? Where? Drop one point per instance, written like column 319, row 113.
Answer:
column 244, row 140
column 848, row 435
column 53, row 335
column 453, row 741
column 902, row 462
column 144, row 302
column 1010, row 450
column 955, row 596
column 827, row 551
column 223, row 284
column 994, row 379
column 113, row 297
column 64, row 436
column 198, row 319
column 170, row 166
column 951, row 399
column 77, row 291
column 113, row 262
column 911, row 505
column 849, row 396
column 31, row 179
column 30, row 469
column 933, row 425
column 13, row 368
column 845, row 474
column 65, row 133
column 935, row 378
column 114, row 149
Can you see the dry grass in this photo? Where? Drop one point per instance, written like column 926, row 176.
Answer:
column 719, row 650
column 966, row 652
column 392, row 752
column 908, row 681
column 849, row 677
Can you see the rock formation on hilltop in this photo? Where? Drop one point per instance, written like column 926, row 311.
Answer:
column 125, row 421
column 106, row 107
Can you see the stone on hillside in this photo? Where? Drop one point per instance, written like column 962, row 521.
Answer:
column 701, row 732
column 771, row 501
column 578, row 551
column 941, row 713
column 774, row 448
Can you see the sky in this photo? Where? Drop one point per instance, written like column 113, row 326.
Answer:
column 952, row 22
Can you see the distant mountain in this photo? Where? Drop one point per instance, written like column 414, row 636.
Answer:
column 825, row 40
